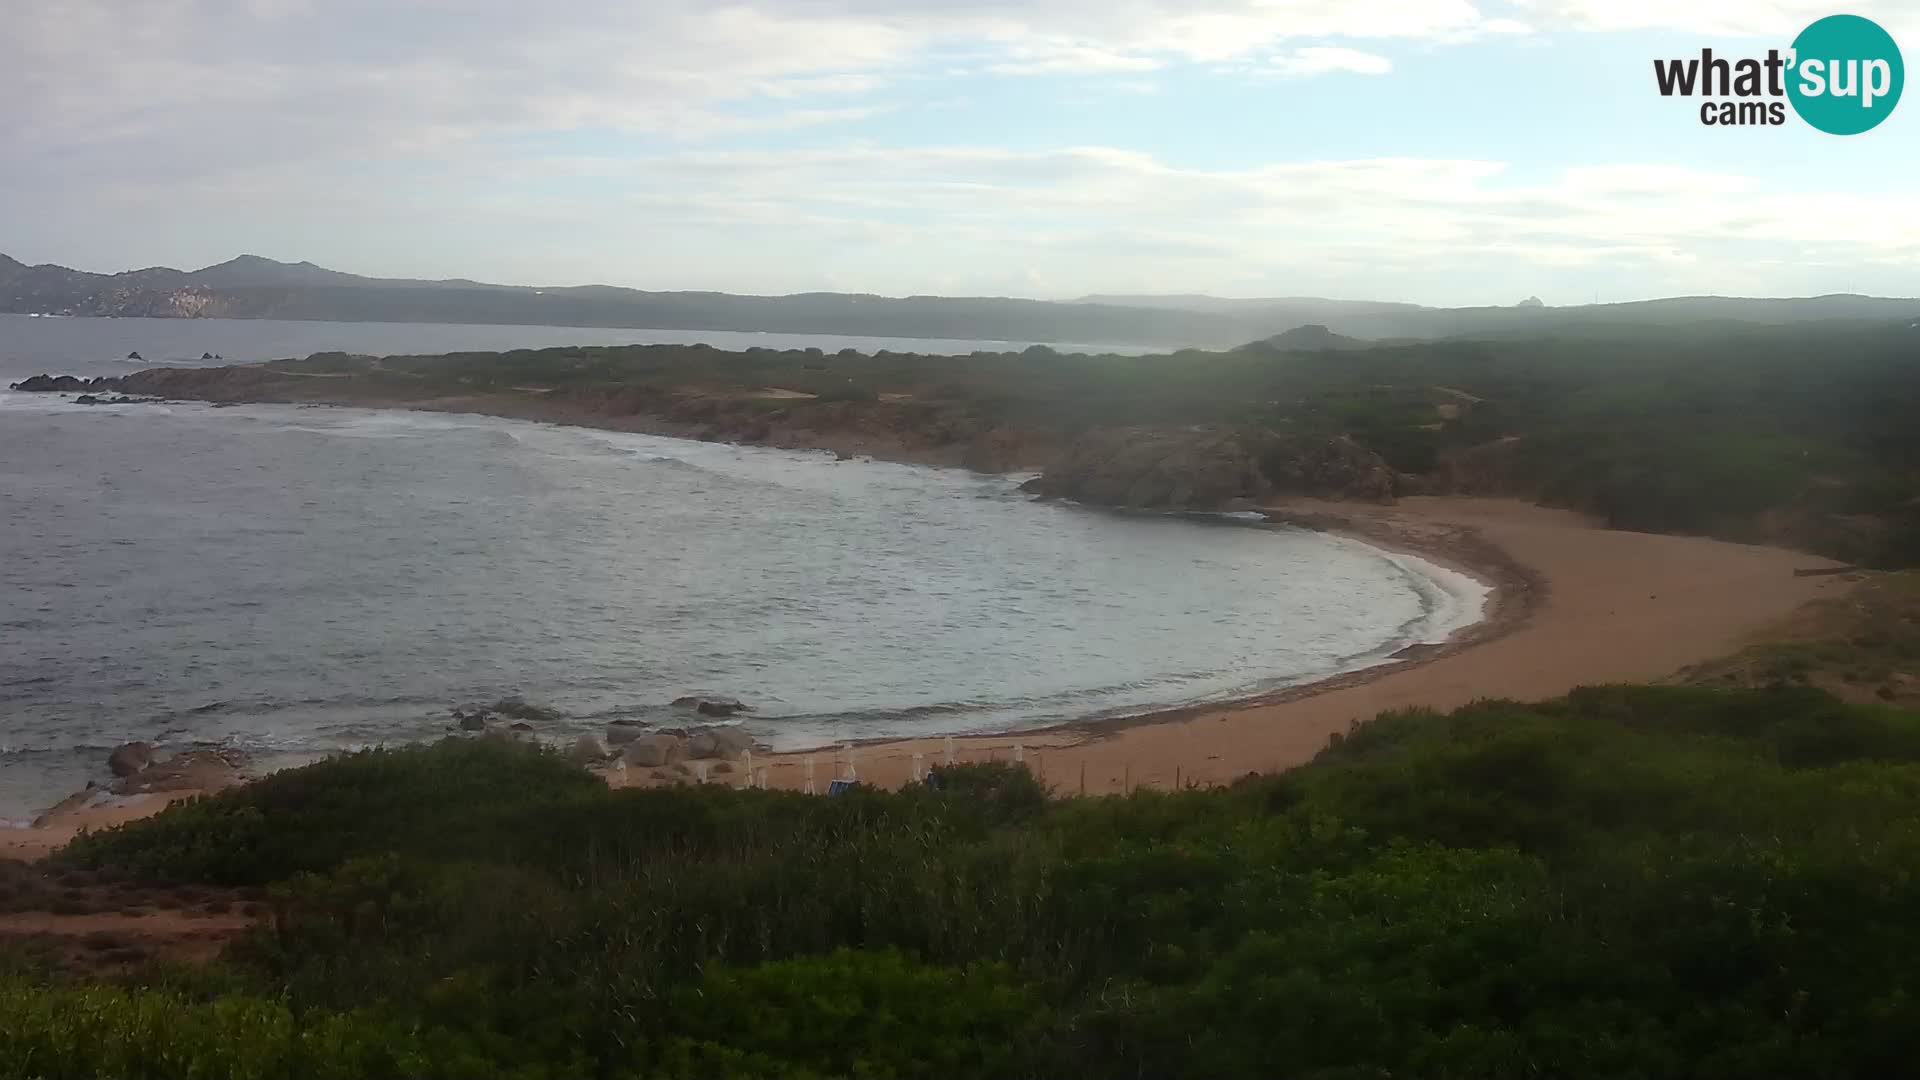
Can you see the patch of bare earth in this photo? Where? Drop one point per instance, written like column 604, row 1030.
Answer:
column 87, row 922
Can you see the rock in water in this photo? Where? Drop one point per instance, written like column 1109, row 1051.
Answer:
column 206, row 356
column 133, row 356
column 653, row 751
column 710, row 704
column 619, row 734
column 130, row 758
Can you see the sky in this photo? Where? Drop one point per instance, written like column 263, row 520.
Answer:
column 1443, row 152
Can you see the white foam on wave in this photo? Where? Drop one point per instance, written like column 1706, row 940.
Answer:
column 1450, row 600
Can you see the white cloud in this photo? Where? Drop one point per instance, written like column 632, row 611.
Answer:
column 474, row 139
column 1088, row 219
column 1758, row 18
column 1323, row 59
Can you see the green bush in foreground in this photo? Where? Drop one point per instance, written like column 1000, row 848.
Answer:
column 1629, row 881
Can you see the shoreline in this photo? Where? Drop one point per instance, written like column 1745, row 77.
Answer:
column 1512, row 595
column 1554, row 631
column 1285, row 727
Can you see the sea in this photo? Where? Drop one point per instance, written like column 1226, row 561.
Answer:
column 291, row 581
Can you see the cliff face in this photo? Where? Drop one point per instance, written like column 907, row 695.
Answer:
column 1206, row 469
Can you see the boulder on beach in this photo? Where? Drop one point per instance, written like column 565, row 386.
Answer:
column 718, row 742
column 470, row 721
column 622, row 732
column 130, row 758
column 587, row 750
column 653, row 751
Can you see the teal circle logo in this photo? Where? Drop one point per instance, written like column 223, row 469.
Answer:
column 1847, row 75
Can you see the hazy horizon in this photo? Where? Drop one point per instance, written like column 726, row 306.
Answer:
column 1116, row 298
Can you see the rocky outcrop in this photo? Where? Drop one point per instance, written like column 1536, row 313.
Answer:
column 1324, row 467
column 59, row 384
column 194, row 770
column 1211, row 469
column 653, row 751
column 130, row 758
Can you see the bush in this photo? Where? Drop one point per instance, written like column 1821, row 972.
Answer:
column 1626, row 881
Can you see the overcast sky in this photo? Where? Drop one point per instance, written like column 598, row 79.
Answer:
column 1439, row 151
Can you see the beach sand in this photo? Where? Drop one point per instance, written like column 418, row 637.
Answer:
column 1573, row 604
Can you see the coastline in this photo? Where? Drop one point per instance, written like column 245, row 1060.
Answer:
column 1581, row 605
column 1542, row 632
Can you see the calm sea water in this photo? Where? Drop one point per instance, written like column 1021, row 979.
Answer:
column 294, row 580
column 29, row 345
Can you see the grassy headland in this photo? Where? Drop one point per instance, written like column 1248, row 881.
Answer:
column 1800, row 435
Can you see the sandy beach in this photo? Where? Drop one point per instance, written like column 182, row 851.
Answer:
column 1573, row 604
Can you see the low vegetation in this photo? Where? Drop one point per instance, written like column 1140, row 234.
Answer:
column 1630, row 882
column 1863, row 646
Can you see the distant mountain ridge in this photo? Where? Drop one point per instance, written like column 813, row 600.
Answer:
column 251, row 286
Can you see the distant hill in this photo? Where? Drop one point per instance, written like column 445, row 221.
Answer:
column 1313, row 338
column 254, row 287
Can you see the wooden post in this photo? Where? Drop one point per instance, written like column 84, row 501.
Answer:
column 1126, row 779
column 1083, row 778
column 810, row 790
